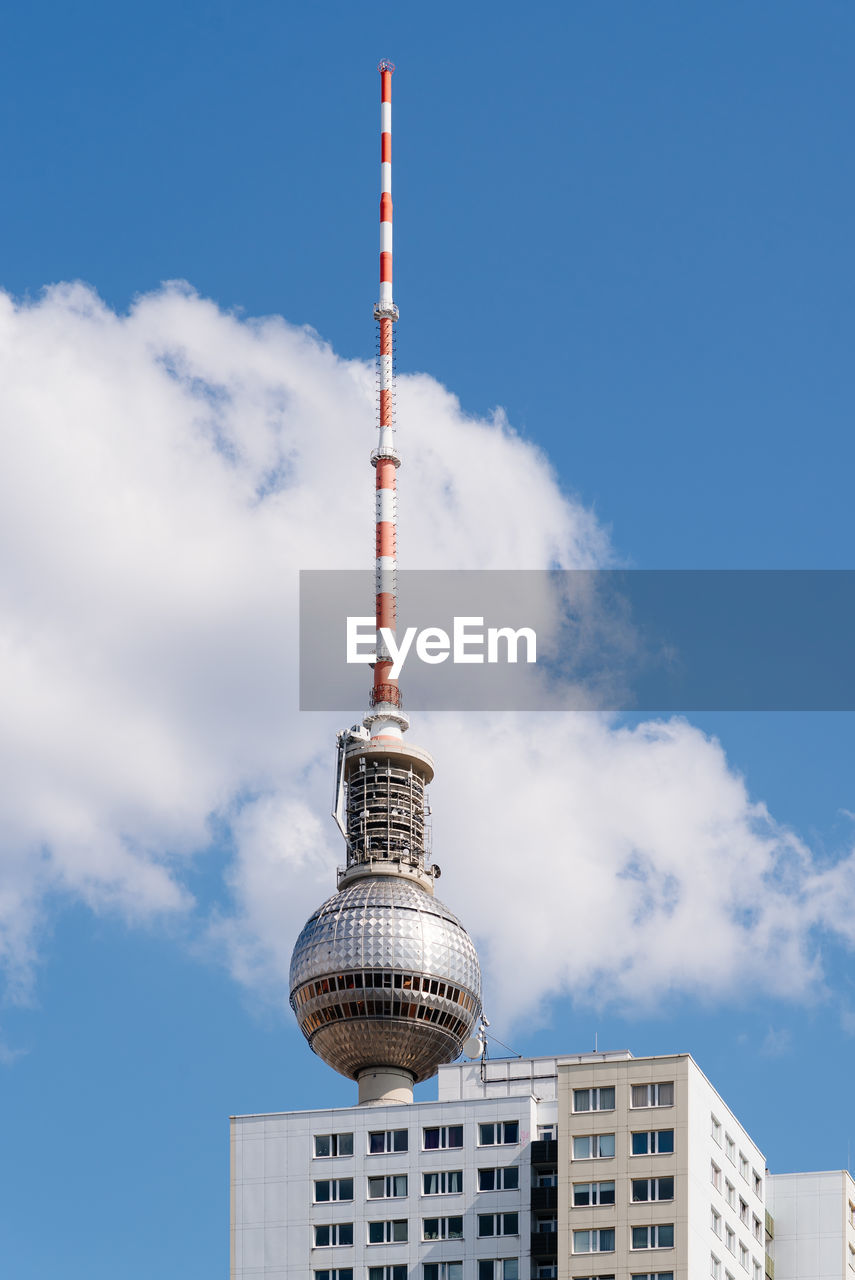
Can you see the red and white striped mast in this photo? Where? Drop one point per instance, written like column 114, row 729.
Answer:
column 386, row 718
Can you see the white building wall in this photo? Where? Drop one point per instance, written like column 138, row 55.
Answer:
column 274, row 1170
column 814, row 1216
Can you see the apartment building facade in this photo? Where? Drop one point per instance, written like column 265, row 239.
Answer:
column 587, row 1167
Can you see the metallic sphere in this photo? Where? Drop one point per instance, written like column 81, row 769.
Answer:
column 384, row 975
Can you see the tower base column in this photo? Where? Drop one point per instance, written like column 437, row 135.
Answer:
column 379, row 1086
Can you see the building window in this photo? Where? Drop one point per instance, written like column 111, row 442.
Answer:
column 594, row 1099
column 730, row 1239
column 594, row 1146
column 730, row 1148
column 730, row 1193
column 852, row 1257
column 545, row 1223
column 388, row 1273
column 332, row 1234
column 444, row 1182
column 333, row 1189
column 546, row 1178
column 383, row 1141
column 498, row 1269
column 443, row 1271
column 597, row 1241
column 654, row 1095
column 757, row 1226
column 333, row 1144
column 547, row 1132
column 450, row 1135
column 715, row 1222
column 659, row 1237
column 851, row 1214
column 388, row 1232
column 743, row 1212
column 758, row 1270
column 658, row 1142
column 389, row 1188
column 442, row 1228
column 743, row 1167
column 743, row 1256
column 715, row 1129
column 504, row 1179
column 337, row 1273
column 651, row 1275
column 497, row 1135
column 715, row 1267
column 498, row 1224
column 588, row 1193
column 652, row 1189
column 758, row 1184
column 715, row 1175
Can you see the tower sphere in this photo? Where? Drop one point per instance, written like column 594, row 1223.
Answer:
column 383, row 974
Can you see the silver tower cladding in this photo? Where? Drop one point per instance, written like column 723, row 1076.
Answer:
column 385, row 981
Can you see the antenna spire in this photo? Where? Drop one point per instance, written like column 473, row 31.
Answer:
column 386, row 718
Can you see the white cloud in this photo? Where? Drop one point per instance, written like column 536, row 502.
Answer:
column 165, row 475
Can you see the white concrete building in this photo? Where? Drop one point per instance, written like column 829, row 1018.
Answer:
column 597, row 1165
column 814, row 1224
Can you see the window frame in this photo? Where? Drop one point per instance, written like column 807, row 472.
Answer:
column 595, row 1093
column 609, row 1233
column 496, row 1126
column 443, row 1231
column 651, row 1183
column 653, row 1229
column 333, row 1183
column 389, row 1136
column 653, row 1099
column 598, row 1202
column 651, row 1134
column 442, row 1175
column 334, row 1141
column 387, row 1179
column 500, row 1169
column 334, row 1228
column 595, row 1139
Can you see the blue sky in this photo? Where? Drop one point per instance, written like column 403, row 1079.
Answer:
column 629, row 226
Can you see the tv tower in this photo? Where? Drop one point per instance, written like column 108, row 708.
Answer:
column 385, row 982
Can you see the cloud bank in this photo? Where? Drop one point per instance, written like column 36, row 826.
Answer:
column 165, row 475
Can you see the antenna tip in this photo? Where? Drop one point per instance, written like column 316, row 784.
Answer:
column 385, row 65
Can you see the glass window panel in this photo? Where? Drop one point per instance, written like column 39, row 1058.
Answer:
column 511, row 1269
column 486, row 1224
column 400, row 1140
column 345, row 1188
column 376, row 1188
column 431, row 1139
column 455, row 1180
column 486, row 1179
column 512, row 1131
column 322, row 1191
column 431, row 1271
column 640, row 1189
column 666, row 1140
column 455, row 1135
column 399, row 1184
column 376, row 1232
column 454, row 1271
column 581, row 1242
column 431, row 1231
column 511, row 1224
column 607, row 1193
column 322, row 1236
column 486, row 1134
column 512, row 1178
column 639, row 1237
column 345, row 1233
column 485, row 1269
column 607, row 1241
column 581, row 1099
column 666, row 1094
column 581, row 1148
column 376, row 1143
column 455, row 1228
column 666, row 1189
column 607, row 1099
column 323, row 1144
column 639, row 1095
column 582, row 1195
column 430, row 1184
column 607, row 1144
column 666, row 1236
column 639, row 1144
